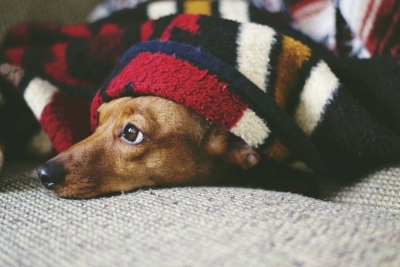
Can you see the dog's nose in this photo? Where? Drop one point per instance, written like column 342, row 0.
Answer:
column 51, row 174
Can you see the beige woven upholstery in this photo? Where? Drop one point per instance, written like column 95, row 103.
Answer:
column 380, row 189
column 188, row 227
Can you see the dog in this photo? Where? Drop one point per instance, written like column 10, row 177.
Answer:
column 186, row 103
column 142, row 142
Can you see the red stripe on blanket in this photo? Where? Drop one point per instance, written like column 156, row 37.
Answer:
column 146, row 30
column 110, row 28
column 18, row 34
column 295, row 6
column 53, row 27
column 393, row 22
column 381, row 25
column 395, row 50
column 366, row 16
column 14, row 55
column 183, row 22
column 65, row 120
column 58, row 70
column 177, row 80
column 110, row 50
column 79, row 31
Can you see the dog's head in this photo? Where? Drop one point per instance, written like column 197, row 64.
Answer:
column 142, row 142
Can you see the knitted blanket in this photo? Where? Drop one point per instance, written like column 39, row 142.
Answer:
column 265, row 82
column 361, row 28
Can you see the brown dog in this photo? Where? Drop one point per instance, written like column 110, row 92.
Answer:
column 142, row 142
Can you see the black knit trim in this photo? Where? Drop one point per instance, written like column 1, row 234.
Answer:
column 348, row 144
column 160, row 25
column 293, row 101
column 274, row 54
column 131, row 36
column 180, row 6
column 363, row 77
column 24, row 82
column 38, row 35
column 215, row 31
column 17, row 120
column 33, row 59
column 215, row 9
column 182, row 36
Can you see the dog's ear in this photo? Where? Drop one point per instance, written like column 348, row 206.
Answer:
column 232, row 149
column 101, row 107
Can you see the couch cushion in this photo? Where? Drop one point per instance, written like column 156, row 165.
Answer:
column 188, row 227
column 380, row 188
column 57, row 11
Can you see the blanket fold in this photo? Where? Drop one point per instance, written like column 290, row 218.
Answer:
column 295, row 101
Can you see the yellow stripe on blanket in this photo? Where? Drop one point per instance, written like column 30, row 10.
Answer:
column 291, row 59
column 289, row 69
column 197, row 7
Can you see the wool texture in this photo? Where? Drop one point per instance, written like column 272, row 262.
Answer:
column 279, row 91
column 355, row 28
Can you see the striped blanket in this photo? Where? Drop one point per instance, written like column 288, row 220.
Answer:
column 274, row 87
column 356, row 28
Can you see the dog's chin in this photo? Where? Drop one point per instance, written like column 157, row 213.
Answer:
column 74, row 193
column 77, row 191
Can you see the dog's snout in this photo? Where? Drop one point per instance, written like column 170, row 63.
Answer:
column 51, row 174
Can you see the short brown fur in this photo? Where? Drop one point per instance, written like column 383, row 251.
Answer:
column 179, row 148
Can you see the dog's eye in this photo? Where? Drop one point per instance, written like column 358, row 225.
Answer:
column 132, row 135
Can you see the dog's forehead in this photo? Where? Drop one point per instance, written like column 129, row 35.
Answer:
column 113, row 105
column 153, row 109
column 111, row 109
column 163, row 111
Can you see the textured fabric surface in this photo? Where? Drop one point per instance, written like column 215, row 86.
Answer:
column 380, row 189
column 350, row 27
column 188, row 227
column 61, row 11
column 294, row 102
column 191, row 226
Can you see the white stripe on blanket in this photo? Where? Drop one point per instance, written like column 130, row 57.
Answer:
column 354, row 12
column 234, row 10
column 316, row 95
column 156, row 10
column 371, row 20
column 253, row 52
column 317, row 20
column 39, row 146
column 259, row 130
column 38, row 94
